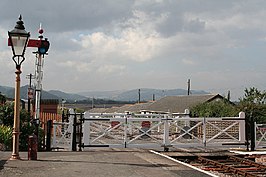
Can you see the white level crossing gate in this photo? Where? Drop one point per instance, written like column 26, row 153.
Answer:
column 62, row 133
column 260, row 135
column 153, row 131
column 161, row 130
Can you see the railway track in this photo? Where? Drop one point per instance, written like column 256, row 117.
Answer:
column 228, row 165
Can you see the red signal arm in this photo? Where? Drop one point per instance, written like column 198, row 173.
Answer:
column 31, row 43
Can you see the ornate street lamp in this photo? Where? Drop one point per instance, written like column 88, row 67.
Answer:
column 18, row 39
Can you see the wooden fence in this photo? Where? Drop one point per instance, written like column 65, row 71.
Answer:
column 44, row 117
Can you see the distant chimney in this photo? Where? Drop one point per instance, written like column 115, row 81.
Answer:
column 139, row 96
column 228, row 95
column 188, row 87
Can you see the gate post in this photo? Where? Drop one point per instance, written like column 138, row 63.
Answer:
column 187, row 122
column 64, row 119
column 126, row 129
column 255, row 134
column 242, row 134
column 204, row 131
column 80, row 131
column 74, row 134
column 86, row 130
column 166, row 142
column 54, row 145
column 48, row 136
column 252, row 133
column 70, row 126
column 246, row 132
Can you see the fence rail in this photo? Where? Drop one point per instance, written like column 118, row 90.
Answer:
column 260, row 135
column 153, row 130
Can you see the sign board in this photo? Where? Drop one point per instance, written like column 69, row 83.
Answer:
column 30, row 93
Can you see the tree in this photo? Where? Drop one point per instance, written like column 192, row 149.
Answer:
column 220, row 108
column 253, row 104
column 2, row 99
column 254, row 96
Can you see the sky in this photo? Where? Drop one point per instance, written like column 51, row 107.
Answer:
column 105, row 45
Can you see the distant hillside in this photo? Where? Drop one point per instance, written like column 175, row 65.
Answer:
column 67, row 96
column 7, row 91
column 132, row 95
column 10, row 92
column 52, row 94
column 102, row 94
column 146, row 94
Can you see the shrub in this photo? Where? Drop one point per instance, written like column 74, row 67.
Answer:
column 26, row 128
column 220, row 108
column 5, row 137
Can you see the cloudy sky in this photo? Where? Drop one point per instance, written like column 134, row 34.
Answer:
column 129, row 44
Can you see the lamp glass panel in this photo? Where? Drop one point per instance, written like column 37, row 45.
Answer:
column 19, row 43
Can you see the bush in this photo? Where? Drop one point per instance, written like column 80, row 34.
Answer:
column 5, row 137
column 26, row 128
column 220, row 108
column 7, row 114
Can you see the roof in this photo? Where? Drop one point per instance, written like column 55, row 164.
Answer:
column 122, row 109
column 174, row 104
column 97, row 110
column 178, row 104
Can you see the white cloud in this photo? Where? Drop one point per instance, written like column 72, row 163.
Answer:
column 132, row 44
column 95, row 43
column 109, row 69
column 188, row 61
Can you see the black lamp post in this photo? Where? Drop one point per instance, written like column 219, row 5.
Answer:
column 18, row 39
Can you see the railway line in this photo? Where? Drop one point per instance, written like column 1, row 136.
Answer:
column 226, row 165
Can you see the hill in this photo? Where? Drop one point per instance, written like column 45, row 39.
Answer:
column 67, row 96
column 133, row 95
column 10, row 92
column 146, row 94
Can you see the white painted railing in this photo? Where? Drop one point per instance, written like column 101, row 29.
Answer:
column 260, row 135
column 165, row 130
